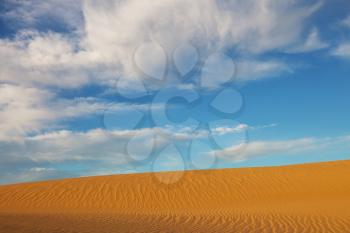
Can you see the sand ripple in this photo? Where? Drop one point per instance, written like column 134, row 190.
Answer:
column 300, row 198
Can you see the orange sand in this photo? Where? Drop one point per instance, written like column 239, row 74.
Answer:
column 299, row 198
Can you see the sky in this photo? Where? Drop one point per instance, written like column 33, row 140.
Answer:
column 125, row 86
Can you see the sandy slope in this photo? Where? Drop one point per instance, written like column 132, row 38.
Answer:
column 301, row 198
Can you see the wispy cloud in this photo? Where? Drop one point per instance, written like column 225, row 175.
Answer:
column 312, row 43
column 346, row 21
column 342, row 50
column 99, row 151
column 107, row 150
column 251, row 69
column 254, row 149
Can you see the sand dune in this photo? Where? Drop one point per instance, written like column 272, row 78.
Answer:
column 299, row 198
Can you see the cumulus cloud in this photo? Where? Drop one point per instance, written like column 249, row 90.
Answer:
column 48, row 59
column 62, row 45
column 26, row 110
column 21, row 110
column 111, row 32
column 117, row 28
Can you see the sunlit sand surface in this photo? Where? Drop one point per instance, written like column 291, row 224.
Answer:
column 299, row 198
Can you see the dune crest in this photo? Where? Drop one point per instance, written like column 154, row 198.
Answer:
column 298, row 198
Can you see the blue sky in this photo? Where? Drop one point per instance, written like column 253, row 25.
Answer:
column 95, row 88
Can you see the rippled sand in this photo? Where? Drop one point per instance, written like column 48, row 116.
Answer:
column 299, row 198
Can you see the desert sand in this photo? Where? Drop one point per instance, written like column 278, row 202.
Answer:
column 297, row 198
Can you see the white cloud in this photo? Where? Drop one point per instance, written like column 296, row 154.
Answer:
column 228, row 130
column 248, row 70
column 97, row 151
column 29, row 175
column 97, row 144
column 100, row 151
column 253, row 149
column 346, row 21
column 312, row 43
column 26, row 110
column 98, row 46
column 21, row 110
column 103, row 148
column 342, row 51
column 111, row 31
column 117, row 28
column 41, row 169
column 48, row 60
